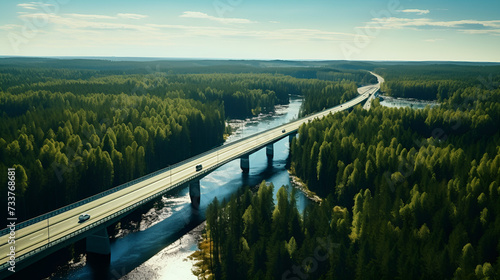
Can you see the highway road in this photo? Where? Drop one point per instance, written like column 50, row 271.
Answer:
column 52, row 229
column 362, row 90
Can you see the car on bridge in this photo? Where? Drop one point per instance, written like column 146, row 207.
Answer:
column 199, row 167
column 283, row 131
column 83, row 218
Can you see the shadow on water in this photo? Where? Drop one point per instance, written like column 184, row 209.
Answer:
column 98, row 265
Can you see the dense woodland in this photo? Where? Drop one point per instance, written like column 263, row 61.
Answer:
column 408, row 194
column 251, row 238
column 72, row 132
column 444, row 83
column 324, row 97
column 73, row 146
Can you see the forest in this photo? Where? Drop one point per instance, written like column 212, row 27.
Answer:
column 437, row 82
column 72, row 130
column 407, row 194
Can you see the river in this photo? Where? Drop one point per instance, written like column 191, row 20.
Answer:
column 169, row 233
column 392, row 102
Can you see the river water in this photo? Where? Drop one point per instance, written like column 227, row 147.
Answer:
column 388, row 101
column 168, row 234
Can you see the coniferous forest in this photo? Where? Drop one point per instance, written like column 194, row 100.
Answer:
column 407, row 194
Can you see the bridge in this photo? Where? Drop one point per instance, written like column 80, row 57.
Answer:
column 45, row 234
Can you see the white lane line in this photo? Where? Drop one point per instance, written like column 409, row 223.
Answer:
column 36, row 236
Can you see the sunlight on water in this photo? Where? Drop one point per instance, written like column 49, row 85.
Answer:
column 406, row 102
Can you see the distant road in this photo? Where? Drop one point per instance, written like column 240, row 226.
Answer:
column 362, row 90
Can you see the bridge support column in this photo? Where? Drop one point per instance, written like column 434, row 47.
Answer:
column 195, row 193
column 98, row 244
column 245, row 163
column 270, row 151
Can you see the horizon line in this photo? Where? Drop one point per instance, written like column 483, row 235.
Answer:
column 103, row 57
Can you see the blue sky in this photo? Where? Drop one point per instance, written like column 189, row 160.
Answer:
column 242, row 29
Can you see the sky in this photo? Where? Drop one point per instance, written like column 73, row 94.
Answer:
column 410, row 30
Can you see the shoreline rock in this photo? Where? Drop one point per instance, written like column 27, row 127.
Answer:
column 301, row 186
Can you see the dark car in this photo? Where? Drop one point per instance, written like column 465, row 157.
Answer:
column 199, row 167
column 83, row 218
column 283, row 131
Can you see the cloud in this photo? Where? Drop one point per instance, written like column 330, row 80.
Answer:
column 101, row 31
column 10, row 26
column 416, row 11
column 433, row 40
column 132, row 16
column 86, row 16
column 34, row 5
column 120, row 15
column 200, row 15
column 484, row 31
column 27, row 6
column 88, row 22
column 277, row 34
column 465, row 26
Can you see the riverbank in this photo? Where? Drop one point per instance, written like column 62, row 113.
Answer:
column 398, row 102
column 301, row 186
column 201, row 257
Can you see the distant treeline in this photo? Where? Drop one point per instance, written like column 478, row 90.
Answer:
column 243, row 94
column 445, row 83
column 323, row 70
column 111, row 66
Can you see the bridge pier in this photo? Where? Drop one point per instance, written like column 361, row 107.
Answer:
column 270, row 151
column 195, row 193
column 245, row 163
column 98, row 244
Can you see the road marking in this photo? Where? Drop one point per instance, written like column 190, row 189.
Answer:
column 36, row 236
